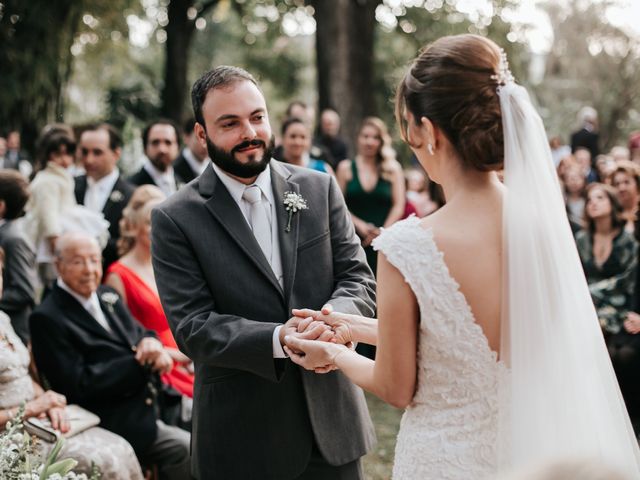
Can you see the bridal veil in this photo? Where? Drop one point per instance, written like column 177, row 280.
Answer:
column 560, row 398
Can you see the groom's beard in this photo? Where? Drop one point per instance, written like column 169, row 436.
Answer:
column 228, row 162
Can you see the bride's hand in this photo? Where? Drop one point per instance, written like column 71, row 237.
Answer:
column 312, row 354
column 340, row 323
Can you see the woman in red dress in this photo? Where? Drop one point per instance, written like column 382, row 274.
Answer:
column 132, row 276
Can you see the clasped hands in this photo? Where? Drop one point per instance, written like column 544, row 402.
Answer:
column 314, row 339
column 150, row 351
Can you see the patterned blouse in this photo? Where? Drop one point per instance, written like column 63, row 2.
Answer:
column 612, row 283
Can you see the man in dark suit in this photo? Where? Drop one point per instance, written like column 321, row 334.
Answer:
column 19, row 274
column 329, row 136
column 587, row 137
column 160, row 140
column 103, row 189
column 15, row 155
column 230, row 262
column 194, row 158
column 88, row 347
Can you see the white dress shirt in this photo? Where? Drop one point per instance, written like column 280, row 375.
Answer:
column 196, row 165
column 236, row 189
column 91, row 304
column 97, row 194
column 164, row 180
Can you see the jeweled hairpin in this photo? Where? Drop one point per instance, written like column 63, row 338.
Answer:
column 504, row 75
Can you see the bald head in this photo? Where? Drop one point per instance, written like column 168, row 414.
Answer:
column 330, row 122
column 71, row 240
column 79, row 262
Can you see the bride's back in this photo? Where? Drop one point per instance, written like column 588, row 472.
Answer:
column 469, row 234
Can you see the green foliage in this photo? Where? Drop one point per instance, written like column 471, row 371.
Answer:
column 591, row 63
column 406, row 30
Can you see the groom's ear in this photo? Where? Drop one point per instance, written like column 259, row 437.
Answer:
column 201, row 134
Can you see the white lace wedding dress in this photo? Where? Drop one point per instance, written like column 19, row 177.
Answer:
column 450, row 430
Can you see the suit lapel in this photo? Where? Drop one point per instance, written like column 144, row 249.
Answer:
column 115, row 323
column 224, row 208
column 80, row 316
column 288, row 240
column 111, row 204
column 80, row 189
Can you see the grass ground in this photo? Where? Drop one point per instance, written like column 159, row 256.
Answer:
column 386, row 419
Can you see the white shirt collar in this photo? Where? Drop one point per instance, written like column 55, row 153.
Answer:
column 196, row 165
column 165, row 180
column 87, row 303
column 236, row 188
column 106, row 183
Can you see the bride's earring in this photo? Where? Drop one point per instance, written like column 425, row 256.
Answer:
column 430, row 149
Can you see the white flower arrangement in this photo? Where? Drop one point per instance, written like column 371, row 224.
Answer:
column 116, row 196
column 109, row 298
column 18, row 460
column 293, row 203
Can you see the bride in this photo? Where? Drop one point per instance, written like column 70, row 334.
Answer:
column 486, row 332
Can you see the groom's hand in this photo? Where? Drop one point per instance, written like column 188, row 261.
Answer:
column 340, row 323
column 306, row 329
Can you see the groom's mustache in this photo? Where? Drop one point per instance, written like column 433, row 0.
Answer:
column 249, row 143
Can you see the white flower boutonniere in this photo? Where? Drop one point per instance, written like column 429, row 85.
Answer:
column 293, row 203
column 109, row 298
column 116, row 196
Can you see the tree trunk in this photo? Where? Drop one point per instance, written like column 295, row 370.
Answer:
column 179, row 33
column 344, row 59
column 36, row 37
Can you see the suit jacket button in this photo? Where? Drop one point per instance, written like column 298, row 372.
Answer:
column 134, row 348
column 148, row 401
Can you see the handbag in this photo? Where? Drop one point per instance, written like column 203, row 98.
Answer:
column 79, row 421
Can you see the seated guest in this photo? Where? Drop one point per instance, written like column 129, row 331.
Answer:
column 87, row 346
column 626, row 181
column 609, row 256
column 111, row 453
column 583, row 158
column 160, row 141
column 574, row 184
column 605, row 166
column 132, row 277
column 194, row 157
column 297, row 149
column 102, row 189
column 19, row 275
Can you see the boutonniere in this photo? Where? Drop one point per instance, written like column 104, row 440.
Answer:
column 116, row 196
column 293, row 203
column 109, row 298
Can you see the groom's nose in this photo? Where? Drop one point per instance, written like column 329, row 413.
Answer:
column 248, row 132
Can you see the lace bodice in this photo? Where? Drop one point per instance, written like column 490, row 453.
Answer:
column 15, row 382
column 450, row 430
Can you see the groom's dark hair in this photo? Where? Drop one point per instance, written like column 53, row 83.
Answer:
column 220, row 77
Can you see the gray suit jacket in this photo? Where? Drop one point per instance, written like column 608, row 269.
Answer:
column 19, row 278
column 256, row 416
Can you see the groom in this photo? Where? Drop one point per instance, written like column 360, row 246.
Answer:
column 231, row 261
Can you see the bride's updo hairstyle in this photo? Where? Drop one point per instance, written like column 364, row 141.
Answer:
column 453, row 83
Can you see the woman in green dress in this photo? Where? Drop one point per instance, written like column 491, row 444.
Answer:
column 373, row 184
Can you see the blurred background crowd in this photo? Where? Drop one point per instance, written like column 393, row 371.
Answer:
column 95, row 130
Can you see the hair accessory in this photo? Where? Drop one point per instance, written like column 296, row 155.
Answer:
column 504, row 75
